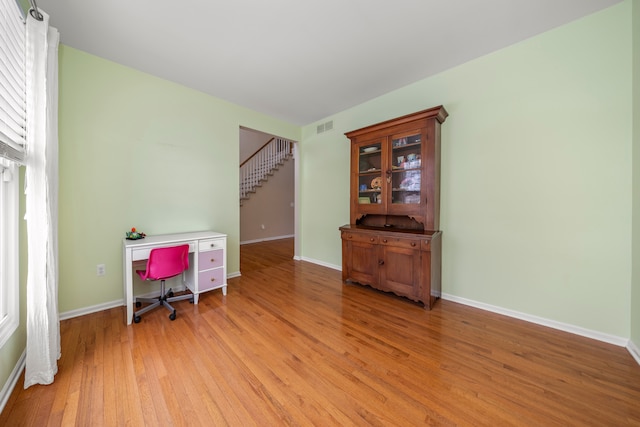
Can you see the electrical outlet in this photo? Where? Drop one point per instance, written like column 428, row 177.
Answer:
column 101, row 270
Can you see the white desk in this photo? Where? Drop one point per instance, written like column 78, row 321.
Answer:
column 207, row 262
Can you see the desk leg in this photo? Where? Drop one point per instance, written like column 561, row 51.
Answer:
column 224, row 290
column 128, row 285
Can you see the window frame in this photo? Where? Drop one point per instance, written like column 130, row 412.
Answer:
column 9, row 250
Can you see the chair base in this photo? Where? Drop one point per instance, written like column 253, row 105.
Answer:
column 163, row 300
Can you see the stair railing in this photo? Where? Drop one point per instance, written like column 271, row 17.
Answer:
column 255, row 169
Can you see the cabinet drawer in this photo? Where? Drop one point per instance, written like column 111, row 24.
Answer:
column 209, row 245
column 357, row 237
column 210, row 279
column 400, row 242
column 210, row 259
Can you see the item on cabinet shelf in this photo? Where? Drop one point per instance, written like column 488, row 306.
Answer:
column 412, row 198
column 363, row 187
column 376, row 182
column 369, row 149
column 364, row 200
column 400, row 160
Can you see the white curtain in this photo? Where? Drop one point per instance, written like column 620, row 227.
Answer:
column 41, row 189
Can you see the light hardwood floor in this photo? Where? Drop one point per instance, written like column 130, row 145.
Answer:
column 292, row 345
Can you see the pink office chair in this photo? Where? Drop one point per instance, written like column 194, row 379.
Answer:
column 163, row 263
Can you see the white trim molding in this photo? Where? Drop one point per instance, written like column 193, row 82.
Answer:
column 267, row 239
column 6, row 391
column 634, row 351
column 577, row 330
column 322, row 263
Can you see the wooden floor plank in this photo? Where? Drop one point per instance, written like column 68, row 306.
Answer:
column 290, row 344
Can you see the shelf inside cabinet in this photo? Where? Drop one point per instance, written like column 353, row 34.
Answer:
column 405, row 146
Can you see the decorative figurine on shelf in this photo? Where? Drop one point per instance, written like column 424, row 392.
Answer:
column 134, row 234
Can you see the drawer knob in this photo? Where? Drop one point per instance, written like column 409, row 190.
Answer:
column 381, row 262
column 372, row 239
column 212, row 259
column 413, row 243
column 213, row 245
column 213, row 279
column 384, row 240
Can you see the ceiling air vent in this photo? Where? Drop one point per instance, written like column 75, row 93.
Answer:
column 325, row 127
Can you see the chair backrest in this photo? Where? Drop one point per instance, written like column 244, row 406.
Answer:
column 167, row 262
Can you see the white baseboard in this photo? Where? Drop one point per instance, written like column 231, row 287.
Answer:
column 6, row 391
column 322, row 263
column 634, row 351
column 92, row 309
column 611, row 339
column 266, row 239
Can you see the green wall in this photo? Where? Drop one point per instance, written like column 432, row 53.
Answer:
column 536, row 174
column 139, row 151
column 635, row 293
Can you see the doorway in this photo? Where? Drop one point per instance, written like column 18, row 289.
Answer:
column 268, row 211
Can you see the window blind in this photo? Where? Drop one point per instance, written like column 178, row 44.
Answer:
column 12, row 82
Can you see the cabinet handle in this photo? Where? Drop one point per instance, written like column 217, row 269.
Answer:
column 412, row 244
column 381, row 262
column 384, row 240
column 372, row 240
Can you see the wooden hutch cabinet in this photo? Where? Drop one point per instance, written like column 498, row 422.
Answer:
column 392, row 242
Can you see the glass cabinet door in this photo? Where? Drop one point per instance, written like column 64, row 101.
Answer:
column 370, row 177
column 406, row 163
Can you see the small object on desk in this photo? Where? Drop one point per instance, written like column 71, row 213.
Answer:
column 134, row 234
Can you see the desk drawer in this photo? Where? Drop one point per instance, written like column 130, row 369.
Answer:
column 210, row 259
column 210, row 279
column 143, row 252
column 210, row 245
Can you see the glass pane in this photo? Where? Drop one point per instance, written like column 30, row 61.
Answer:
column 406, row 162
column 406, row 186
column 370, row 174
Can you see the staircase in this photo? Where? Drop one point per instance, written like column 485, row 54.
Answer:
column 262, row 164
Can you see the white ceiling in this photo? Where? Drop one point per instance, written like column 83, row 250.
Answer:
column 302, row 60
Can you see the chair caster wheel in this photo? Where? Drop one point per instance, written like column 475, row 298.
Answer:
column 172, row 316
column 191, row 300
column 138, row 304
column 136, row 319
column 170, row 294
